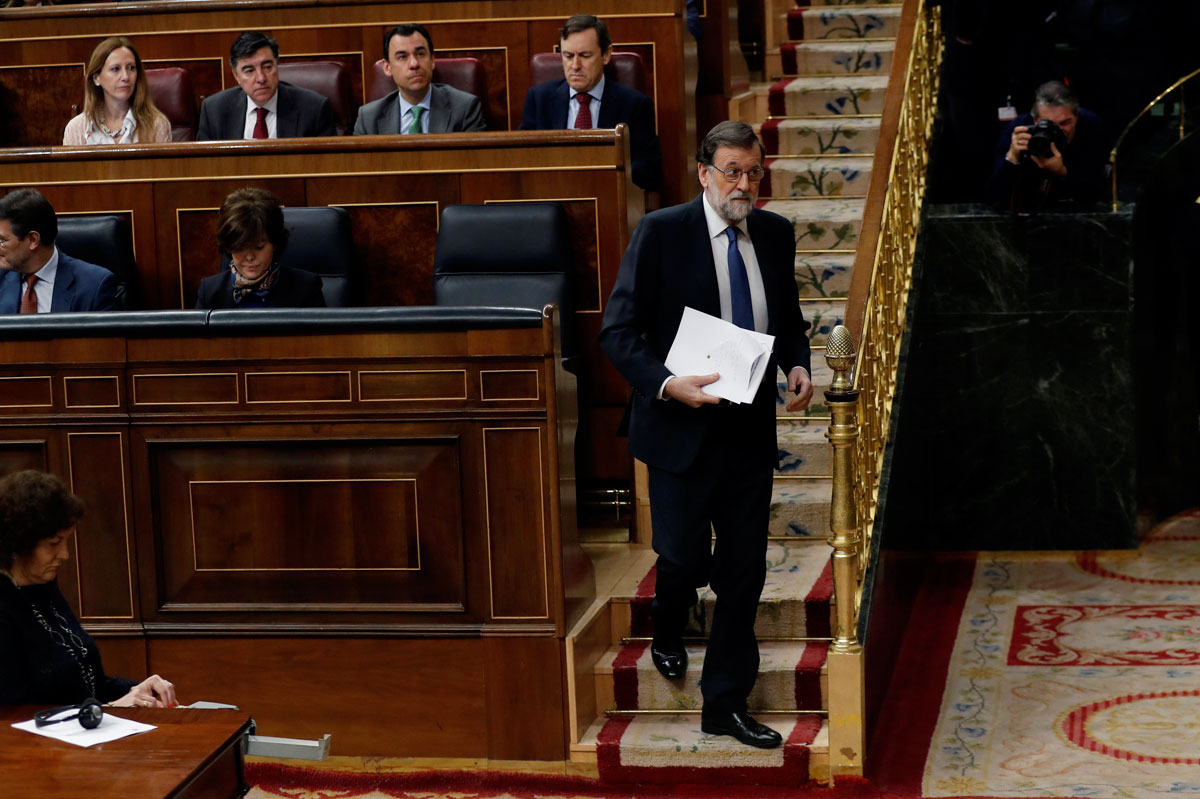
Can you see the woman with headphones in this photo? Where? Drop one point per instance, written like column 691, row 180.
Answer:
column 46, row 657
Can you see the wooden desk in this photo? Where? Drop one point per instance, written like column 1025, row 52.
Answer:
column 303, row 517
column 394, row 189
column 194, row 754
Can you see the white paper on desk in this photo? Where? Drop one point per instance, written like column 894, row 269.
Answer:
column 111, row 728
column 705, row 344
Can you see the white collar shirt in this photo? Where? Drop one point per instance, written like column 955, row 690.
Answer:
column 596, row 92
column 43, row 289
column 94, row 134
column 272, row 106
column 406, row 110
column 720, row 250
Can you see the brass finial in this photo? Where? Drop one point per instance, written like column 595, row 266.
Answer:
column 839, row 354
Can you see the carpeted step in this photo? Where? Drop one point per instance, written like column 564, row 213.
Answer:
column 821, row 223
column 823, row 315
column 789, row 678
column 803, row 448
column 824, row 274
column 817, row 176
column 818, row 136
column 800, row 507
column 795, row 601
column 672, row 750
column 804, row 97
column 859, row 22
column 840, row 57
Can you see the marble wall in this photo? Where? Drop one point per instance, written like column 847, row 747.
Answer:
column 1016, row 425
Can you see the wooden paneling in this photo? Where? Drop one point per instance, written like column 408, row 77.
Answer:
column 307, row 524
column 516, row 523
column 37, row 101
column 103, row 543
column 393, row 697
column 524, row 716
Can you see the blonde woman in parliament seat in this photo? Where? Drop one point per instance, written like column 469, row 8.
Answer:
column 117, row 107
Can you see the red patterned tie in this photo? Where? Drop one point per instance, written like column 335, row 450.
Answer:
column 260, row 127
column 583, row 120
column 29, row 301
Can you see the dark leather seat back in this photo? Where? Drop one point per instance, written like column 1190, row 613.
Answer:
column 172, row 91
column 330, row 79
column 507, row 255
column 624, row 68
column 321, row 241
column 105, row 240
column 465, row 74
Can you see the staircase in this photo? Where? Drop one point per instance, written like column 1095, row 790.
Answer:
column 819, row 118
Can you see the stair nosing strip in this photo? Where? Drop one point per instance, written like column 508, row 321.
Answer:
column 689, row 712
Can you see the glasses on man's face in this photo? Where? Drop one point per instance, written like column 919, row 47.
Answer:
column 755, row 173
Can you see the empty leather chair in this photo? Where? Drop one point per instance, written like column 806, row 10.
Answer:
column 624, row 68
column 320, row 241
column 507, row 255
column 465, row 74
column 172, row 91
column 105, row 240
column 329, row 78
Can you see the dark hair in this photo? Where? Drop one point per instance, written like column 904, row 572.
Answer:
column 33, row 506
column 247, row 217
column 26, row 210
column 1055, row 94
column 583, row 22
column 405, row 29
column 728, row 134
column 249, row 43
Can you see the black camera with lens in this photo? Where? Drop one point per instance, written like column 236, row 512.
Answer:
column 1042, row 134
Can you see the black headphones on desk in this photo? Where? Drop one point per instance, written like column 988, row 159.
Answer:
column 90, row 714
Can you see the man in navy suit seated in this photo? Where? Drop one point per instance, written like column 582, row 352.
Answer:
column 34, row 276
column 557, row 104
column 260, row 106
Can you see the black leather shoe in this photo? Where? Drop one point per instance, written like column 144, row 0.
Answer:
column 669, row 659
column 742, row 727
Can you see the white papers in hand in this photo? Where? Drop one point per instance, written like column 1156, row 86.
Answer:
column 705, row 344
column 111, row 728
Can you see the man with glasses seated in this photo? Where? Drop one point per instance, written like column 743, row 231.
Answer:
column 710, row 462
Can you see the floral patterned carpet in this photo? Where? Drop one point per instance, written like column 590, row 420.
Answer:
column 1076, row 674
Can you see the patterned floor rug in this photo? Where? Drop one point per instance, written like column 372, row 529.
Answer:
column 1076, row 674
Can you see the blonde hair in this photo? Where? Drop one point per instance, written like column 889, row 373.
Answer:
column 145, row 113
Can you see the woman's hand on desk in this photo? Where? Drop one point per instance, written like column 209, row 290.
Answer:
column 153, row 691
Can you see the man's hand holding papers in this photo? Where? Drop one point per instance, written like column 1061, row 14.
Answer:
column 717, row 359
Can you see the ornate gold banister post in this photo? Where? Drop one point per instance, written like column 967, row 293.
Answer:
column 846, row 699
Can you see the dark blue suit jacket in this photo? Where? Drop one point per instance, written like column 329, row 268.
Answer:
column 546, row 109
column 79, row 286
column 667, row 266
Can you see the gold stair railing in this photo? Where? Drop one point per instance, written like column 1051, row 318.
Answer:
column 876, row 310
column 1177, row 86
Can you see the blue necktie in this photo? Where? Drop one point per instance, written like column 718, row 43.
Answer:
column 739, row 285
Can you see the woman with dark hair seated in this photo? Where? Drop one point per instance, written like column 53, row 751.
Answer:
column 46, row 657
column 251, row 234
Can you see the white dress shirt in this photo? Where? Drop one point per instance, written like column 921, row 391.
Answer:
column 272, row 117
column 720, row 249
column 406, row 110
column 43, row 289
column 596, row 92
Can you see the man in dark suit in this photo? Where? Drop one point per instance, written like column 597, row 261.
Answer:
column 586, row 47
column 34, row 276
column 710, row 462
column 260, row 107
column 417, row 105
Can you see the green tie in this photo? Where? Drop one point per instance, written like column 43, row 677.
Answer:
column 415, row 127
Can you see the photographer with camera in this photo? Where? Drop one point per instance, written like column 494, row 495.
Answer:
column 1055, row 154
